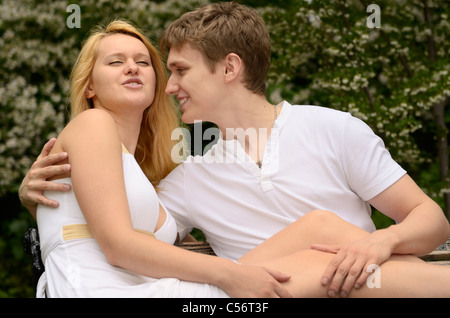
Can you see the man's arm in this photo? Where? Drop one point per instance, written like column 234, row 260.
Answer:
column 420, row 223
column 421, row 226
column 35, row 181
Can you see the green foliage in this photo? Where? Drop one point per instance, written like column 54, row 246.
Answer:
column 325, row 54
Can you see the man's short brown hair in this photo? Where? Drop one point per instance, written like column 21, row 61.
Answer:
column 222, row 28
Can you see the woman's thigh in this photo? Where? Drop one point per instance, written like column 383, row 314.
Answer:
column 316, row 227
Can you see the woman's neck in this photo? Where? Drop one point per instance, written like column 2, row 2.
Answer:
column 128, row 126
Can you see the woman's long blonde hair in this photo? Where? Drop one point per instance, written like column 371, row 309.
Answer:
column 153, row 151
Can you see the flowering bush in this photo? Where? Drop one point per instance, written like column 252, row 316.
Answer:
column 396, row 77
column 38, row 52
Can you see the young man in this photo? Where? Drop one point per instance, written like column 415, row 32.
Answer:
column 289, row 160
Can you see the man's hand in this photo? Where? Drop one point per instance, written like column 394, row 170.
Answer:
column 35, row 181
column 349, row 268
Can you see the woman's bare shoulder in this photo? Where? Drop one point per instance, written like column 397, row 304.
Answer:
column 87, row 126
column 93, row 117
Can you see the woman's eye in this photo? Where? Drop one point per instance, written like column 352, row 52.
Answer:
column 143, row 63
column 115, row 62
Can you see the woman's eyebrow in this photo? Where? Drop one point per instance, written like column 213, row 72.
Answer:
column 122, row 55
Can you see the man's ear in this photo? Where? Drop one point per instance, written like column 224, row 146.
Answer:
column 233, row 67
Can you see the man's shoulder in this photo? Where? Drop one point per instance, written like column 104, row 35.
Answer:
column 315, row 110
column 319, row 117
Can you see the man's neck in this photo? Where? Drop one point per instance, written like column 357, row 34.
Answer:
column 250, row 121
column 247, row 113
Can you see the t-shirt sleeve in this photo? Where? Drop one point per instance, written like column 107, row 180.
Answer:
column 172, row 193
column 369, row 167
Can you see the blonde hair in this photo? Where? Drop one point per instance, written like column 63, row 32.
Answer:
column 221, row 28
column 153, row 151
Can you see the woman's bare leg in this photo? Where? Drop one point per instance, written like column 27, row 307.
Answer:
column 316, row 227
column 288, row 251
column 394, row 278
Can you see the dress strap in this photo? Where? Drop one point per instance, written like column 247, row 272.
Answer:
column 124, row 149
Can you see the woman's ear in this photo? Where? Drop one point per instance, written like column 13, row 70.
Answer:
column 89, row 92
column 233, row 67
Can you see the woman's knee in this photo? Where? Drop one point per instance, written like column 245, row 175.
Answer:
column 320, row 217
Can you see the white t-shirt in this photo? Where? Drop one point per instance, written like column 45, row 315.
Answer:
column 315, row 158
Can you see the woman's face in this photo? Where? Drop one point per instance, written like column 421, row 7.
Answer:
column 123, row 77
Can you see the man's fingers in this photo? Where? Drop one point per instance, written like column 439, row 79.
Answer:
column 47, row 148
column 41, row 186
column 339, row 278
column 50, row 160
column 354, row 273
column 47, row 172
column 41, row 199
column 331, row 269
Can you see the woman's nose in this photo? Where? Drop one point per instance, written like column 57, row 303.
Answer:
column 131, row 68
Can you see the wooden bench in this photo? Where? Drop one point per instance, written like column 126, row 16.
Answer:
column 440, row 256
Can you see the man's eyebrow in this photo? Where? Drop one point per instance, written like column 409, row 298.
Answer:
column 173, row 64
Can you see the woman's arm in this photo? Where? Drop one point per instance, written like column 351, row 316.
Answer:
column 94, row 148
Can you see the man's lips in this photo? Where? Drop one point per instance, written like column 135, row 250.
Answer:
column 183, row 100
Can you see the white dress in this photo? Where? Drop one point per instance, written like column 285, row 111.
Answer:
column 76, row 266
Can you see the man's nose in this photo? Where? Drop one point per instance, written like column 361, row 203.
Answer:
column 171, row 87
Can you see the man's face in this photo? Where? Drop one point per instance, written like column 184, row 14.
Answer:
column 197, row 89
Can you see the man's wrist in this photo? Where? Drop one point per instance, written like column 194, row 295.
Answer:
column 389, row 238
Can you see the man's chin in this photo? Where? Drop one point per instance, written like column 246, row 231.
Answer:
column 187, row 119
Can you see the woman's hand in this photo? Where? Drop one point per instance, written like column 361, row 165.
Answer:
column 248, row 281
column 35, row 181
